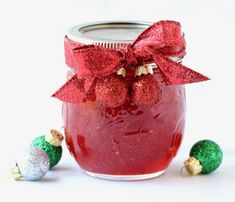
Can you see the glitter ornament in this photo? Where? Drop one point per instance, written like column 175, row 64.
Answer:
column 51, row 144
column 205, row 157
column 33, row 166
column 146, row 90
column 111, row 91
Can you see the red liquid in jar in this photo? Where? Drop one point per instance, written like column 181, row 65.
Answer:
column 130, row 139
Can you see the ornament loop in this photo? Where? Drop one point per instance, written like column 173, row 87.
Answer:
column 184, row 172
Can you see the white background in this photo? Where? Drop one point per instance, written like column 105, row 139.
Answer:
column 32, row 68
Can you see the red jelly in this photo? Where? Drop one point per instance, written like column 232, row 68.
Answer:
column 131, row 141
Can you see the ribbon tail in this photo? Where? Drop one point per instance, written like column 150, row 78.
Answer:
column 72, row 91
column 175, row 73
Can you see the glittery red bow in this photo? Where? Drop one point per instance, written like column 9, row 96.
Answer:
column 157, row 43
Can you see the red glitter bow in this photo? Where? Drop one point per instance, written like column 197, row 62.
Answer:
column 157, row 43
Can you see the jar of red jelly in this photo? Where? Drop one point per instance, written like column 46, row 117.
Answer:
column 131, row 141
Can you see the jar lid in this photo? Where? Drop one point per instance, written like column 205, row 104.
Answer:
column 110, row 34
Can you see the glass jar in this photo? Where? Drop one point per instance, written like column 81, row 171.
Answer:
column 131, row 141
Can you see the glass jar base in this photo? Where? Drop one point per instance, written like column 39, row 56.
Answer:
column 125, row 177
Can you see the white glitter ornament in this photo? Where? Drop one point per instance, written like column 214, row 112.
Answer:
column 33, row 166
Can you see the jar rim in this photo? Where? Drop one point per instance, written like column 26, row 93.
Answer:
column 107, row 33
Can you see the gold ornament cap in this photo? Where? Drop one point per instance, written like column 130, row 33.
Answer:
column 144, row 70
column 54, row 138
column 121, row 72
column 193, row 166
column 15, row 172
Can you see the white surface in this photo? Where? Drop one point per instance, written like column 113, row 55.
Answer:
column 68, row 183
column 32, row 68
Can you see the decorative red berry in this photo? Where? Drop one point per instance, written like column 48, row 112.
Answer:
column 146, row 90
column 111, row 91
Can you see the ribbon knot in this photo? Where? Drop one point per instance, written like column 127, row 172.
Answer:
column 156, row 44
column 129, row 57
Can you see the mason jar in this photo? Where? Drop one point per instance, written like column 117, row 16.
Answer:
column 131, row 141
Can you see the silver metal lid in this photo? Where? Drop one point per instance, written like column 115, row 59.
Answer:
column 112, row 34
column 109, row 34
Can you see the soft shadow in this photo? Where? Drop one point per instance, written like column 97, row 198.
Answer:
column 49, row 180
column 62, row 169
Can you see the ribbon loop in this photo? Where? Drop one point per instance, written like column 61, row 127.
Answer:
column 96, row 61
column 165, row 37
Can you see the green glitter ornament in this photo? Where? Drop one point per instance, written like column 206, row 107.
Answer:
column 205, row 157
column 51, row 144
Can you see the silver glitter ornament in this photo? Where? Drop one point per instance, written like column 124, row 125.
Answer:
column 33, row 166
